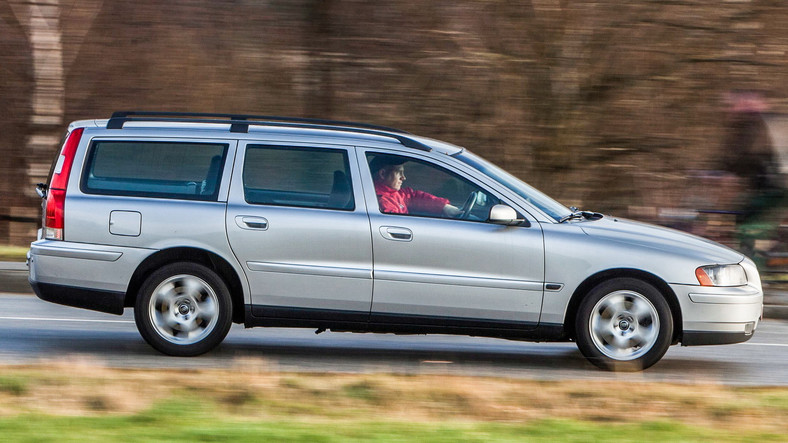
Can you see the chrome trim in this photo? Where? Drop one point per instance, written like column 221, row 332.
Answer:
column 457, row 280
column 396, row 233
column 84, row 254
column 753, row 297
column 251, row 222
column 326, row 271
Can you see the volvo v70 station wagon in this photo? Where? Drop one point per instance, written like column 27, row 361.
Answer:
column 197, row 221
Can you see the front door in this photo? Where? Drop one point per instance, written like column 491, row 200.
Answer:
column 297, row 222
column 437, row 261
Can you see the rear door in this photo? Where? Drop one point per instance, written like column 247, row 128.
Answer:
column 297, row 222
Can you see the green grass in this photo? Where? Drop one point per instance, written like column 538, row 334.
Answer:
column 776, row 401
column 13, row 253
column 189, row 421
column 13, row 385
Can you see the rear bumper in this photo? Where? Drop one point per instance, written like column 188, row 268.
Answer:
column 82, row 275
column 104, row 301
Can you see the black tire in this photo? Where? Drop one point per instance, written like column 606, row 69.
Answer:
column 183, row 309
column 624, row 324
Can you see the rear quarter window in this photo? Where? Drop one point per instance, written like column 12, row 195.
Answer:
column 190, row 171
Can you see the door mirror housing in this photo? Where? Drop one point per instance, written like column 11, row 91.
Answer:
column 504, row 215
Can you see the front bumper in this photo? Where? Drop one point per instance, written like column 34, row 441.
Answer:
column 697, row 338
column 718, row 315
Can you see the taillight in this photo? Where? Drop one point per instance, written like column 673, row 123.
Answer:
column 53, row 226
column 54, row 215
column 59, row 179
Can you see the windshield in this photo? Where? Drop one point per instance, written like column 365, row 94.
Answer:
column 527, row 192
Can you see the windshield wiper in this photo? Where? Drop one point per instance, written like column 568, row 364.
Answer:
column 588, row 215
column 575, row 214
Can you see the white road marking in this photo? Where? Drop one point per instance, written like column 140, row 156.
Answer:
column 64, row 320
column 767, row 344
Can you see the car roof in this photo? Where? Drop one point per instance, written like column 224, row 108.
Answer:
column 338, row 132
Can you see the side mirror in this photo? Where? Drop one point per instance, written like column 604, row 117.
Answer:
column 41, row 190
column 504, row 215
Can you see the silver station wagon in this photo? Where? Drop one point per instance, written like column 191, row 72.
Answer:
column 201, row 220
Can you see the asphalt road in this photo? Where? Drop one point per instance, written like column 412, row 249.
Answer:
column 34, row 331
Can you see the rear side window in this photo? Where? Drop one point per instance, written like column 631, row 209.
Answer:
column 189, row 171
column 303, row 177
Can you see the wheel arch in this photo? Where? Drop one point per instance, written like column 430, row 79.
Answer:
column 589, row 283
column 193, row 255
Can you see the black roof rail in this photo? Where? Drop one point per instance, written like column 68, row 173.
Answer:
column 120, row 117
column 240, row 123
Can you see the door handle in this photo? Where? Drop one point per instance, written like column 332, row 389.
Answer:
column 396, row 233
column 252, row 223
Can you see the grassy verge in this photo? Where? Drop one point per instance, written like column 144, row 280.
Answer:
column 189, row 427
column 86, row 402
column 12, row 253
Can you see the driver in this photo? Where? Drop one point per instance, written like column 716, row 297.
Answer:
column 388, row 173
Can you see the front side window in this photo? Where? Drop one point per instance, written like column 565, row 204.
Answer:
column 530, row 194
column 190, row 171
column 407, row 186
column 302, row 177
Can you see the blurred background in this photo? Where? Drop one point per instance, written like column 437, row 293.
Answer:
column 674, row 112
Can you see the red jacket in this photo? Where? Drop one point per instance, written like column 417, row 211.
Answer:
column 399, row 202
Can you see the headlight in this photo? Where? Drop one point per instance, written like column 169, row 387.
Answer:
column 721, row 275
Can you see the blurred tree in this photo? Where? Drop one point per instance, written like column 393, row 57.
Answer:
column 33, row 88
column 318, row 38
column 564, row 52
column 16, row 84
column 604, row 104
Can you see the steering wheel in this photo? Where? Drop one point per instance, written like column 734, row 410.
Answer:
column 467, row 207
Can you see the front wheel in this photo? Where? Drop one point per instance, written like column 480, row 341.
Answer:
column 624, row 324
column 183, row 309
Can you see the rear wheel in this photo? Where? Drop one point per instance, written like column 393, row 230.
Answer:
column 183, row 309
column 624, row 324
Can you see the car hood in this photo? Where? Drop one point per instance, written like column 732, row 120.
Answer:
column 661, row 238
